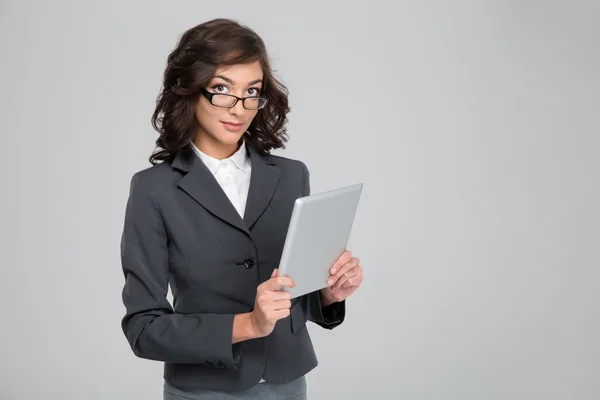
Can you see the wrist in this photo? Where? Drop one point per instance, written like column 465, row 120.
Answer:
column 325, row 299
column 243, row 328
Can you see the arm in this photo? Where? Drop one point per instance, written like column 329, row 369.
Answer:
column 324, row 312
column 153, row 330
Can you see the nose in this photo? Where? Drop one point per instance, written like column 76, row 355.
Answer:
column 238, row 109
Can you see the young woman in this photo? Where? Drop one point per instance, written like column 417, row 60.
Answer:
column 209, row 217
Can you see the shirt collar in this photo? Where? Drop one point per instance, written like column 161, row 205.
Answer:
column 240, row 159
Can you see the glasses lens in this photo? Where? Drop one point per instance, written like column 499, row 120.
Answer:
column 255, row 103
column 222, row 100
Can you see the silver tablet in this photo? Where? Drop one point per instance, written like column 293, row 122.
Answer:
column 318, row 234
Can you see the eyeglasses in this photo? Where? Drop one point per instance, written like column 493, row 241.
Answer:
column 229, row 100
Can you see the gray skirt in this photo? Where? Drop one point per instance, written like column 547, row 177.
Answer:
column 294, row 390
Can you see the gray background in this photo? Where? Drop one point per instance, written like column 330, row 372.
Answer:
column 473, row 124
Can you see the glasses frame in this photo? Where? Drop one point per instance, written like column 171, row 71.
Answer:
column 210, row 96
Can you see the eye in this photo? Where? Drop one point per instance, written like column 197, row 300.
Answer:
column 219, row 88
column 254, row 91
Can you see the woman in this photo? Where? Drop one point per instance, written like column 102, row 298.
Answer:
column 210, row 218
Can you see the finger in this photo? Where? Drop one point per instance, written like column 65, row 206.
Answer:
column 278, row 283
column 276, row 314
column 343, row 259
column 345, row 268
column 272, row 296
column 354, row 281
column 280, row 295
column 274, row 273
column 341, row 271
column 350, row 275
column 282, row 305
column 280, row 314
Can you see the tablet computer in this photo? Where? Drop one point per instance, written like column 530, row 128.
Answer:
column 317, row 236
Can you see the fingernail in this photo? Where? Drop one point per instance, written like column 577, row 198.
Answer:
column 333, row 271
column 329, row 282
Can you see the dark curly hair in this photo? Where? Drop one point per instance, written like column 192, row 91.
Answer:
column 192, row 65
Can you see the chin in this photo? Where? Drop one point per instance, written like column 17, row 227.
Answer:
column 229, row 139
column 225, row 137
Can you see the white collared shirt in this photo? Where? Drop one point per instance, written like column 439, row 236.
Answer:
column 233, row 174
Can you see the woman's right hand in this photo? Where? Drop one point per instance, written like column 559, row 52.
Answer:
column 271, row 304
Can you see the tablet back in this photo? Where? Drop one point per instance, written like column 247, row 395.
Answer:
column 318, row 234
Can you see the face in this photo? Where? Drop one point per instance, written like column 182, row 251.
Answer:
column 220, row 129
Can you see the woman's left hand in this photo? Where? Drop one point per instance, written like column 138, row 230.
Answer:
column 345, row 277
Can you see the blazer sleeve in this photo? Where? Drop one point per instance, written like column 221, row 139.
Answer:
column 333, row 315
column 153, row 330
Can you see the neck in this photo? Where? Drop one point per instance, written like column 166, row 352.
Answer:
column 212, row 147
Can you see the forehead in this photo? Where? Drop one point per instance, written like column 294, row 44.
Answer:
column 241, row 74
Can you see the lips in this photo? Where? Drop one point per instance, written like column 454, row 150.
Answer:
column 232, row 126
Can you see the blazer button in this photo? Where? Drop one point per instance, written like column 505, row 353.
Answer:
column 248, row 263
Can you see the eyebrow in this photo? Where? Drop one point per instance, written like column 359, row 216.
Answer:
column 231, row 82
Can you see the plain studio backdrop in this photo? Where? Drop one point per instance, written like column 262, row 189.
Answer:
column 473, row 125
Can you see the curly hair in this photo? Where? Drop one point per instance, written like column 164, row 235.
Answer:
column 191, row 66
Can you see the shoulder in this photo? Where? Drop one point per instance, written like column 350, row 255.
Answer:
column 155, row 176
column 294, row 171
column 286, row 164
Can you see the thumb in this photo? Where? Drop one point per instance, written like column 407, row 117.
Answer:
column 274, row 274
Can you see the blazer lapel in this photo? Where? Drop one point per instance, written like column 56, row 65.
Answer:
column 202, row 186
column 263, row 183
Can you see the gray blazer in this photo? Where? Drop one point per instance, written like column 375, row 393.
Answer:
column 180, row 228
